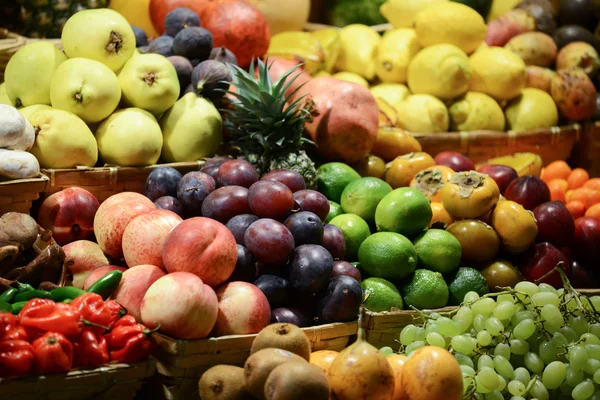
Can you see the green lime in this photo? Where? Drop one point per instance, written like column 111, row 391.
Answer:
column 355, row 231
column 333, row 177
column 406, row 211
column 425, row 289
column 388, row 255
column 465, row 280
column 438, row 250
column 362, row 196
column 334, row 210
column 380, row 295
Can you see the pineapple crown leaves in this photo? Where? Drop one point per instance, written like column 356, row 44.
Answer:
column 262, row 118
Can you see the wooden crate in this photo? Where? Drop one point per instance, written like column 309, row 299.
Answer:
column 103, row 182
column 18, row 195
column 108, row 382
column 586, row 153
column 180, row 363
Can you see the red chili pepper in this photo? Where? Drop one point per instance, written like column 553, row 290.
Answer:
column 94, row 310
column 53, row 353
column 16, row 333
column 16, row 358
column 128, row 320
column 117, row 311
column 7, row 323
column 130, row 343
column 90, row 350
column 44, row 315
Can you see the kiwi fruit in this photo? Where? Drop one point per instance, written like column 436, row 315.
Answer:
column 223, row 382
column 260, row 364
column 283, row 336
column 297, row 381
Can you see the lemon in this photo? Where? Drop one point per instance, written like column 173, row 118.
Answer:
column 476, row 111
column 329, row 38
column 423, row 113
column 401, row 13
column 387, row 255
column 441, row 70
column 392, row 93
column 438, row 250
column 298, row 45
column 359, row 45
column 498, row 72
column 351, row 77
column 533, row 109
column 380, row 295
column 396, row 50
column 499, row 7
column 355, row 231
column 451, row 23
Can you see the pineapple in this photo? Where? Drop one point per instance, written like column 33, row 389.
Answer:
column 267, row 131
column 42, row 18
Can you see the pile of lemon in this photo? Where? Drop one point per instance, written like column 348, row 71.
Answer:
column 430, row 72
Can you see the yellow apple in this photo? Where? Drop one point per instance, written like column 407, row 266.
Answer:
column 149, row 82
column 100, row 34
column 29, row 72
column 87, row 88
column 3, row 96
column 130, row 138
column 192, row 130
column 63, row 140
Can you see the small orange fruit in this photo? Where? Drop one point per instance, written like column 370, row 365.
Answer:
column 593, row 211
column 576, row 208
column 558, row 189
column 587, row 196
column 593, row 183
column 556, row 170
column 577, row 178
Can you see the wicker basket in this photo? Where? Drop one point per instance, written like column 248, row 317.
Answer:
column 181, row 362
column 586, row 153
column 18, row 195
column 10, row 43
column 103, row 182
column 109, row 382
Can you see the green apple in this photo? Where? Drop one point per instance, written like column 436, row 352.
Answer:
column 130, row 138
column 87, row 88
column 192, row 130
column 63, row 140
column 100, row 34
column 149, row 82
column 29, row 72
column 3, row 96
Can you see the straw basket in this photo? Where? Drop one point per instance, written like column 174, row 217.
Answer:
column 10, row 43
column 18, row 195
column 109, row 382
column 182, row 362
column 586, row 153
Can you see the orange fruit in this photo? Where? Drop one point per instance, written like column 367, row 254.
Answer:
column 404, row 168
column 576, row 208
column 397, row 363
column 323, row 359
column 558, row 189
column 440, row 214
column 593, row 211
column 556, row 170
column 587, row 196
column 593, row 183
column 577, row 178
column 432, row 373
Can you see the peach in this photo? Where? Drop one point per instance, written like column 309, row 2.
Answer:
column 182, row 305
column 243, row 309
column 81, row 258
column 202, row 246
column 145, row 236
column 134, row 285
column 69, row 214
column 114, row 215
column 99, row 273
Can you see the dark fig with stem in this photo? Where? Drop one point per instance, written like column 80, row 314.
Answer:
column 211, row 79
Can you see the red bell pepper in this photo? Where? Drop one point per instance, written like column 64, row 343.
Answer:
column 129, row 343
column 44, row 315
column 117, row 311
column 7, row 323
column 16, row 358
column 90, row 350
column 53, row 353
column 94, row 311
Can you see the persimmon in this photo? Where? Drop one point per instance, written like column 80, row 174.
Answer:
column 558, row 189
column 577, row 178
column 404, row 168
column 576, row 208
column 470, row 194
column 556, row 170
column 440, row 215
column 431, row 180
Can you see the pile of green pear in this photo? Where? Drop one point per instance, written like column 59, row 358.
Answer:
column 101, row 102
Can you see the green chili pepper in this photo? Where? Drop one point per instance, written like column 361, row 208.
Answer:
column 17, row 307
column 67, row 301
column 9, row 295
column 24, row 287
column 106, row 285
column 5, row 307
column 65, row 292
column 33, row 294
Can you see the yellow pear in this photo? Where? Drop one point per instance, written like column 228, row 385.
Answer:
column 3, row 96
column 63, row 140
column 192, row 130
column 100, row 34
column 29, row 72
column 85, row 87
column 284, row 15
column 149, row 82
column 28, row 111
column 129, row 138
column 137, row 13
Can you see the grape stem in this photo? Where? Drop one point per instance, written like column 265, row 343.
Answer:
column 530, row 385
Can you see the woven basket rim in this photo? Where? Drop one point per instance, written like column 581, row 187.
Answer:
column 10, row 41
column 488, row 134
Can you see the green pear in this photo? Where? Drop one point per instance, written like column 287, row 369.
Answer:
column 29, row 72
column 87, row 88
column 130, row 138
column 149, row 82
column 100, row 34
column 63, row 140
column 192, row 129
column 3, row 96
